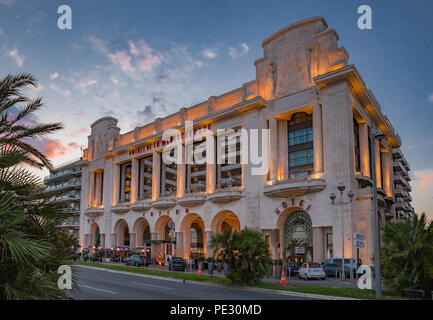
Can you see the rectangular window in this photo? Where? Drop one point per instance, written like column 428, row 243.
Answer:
column 231, row 167
column 300, row 136
column 300, row 145
column 125, row 182
column 145, row 178
column 356, row 146
column 196, row 172
column 168, row 178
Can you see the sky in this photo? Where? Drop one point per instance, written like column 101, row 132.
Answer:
column 137, row 60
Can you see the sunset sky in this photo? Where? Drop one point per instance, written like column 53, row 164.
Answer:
column 137, row 60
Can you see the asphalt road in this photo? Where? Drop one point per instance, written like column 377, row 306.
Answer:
column 102, row 285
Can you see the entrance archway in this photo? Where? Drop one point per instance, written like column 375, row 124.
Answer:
column 194, row 234
column 225, row 219
column 141, row 229
column 297, row 234
column 96, row 235
column 122, row 231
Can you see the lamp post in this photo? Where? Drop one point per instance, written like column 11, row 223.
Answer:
column 342, row 203
column 379, row 136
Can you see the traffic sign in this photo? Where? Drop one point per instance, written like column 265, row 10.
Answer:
column 358, row 244
column 358, row 236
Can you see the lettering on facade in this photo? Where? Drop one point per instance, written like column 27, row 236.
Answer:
column 153, row 146
column 294, row 202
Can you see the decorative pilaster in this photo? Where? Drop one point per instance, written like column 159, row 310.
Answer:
column 318, row 139
column 273, row 168
column 156, row 175
column 134, row 180
column 364, row 149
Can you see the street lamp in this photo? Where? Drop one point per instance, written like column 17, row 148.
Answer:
column 341, row 187
column 379, row 136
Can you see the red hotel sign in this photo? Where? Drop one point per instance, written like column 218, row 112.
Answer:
column 152, row 146
column 293, row 203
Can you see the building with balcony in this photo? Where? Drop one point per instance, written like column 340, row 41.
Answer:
column 64, row 187
column 318, row 113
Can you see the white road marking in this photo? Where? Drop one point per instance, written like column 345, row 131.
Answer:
column 150, row 285
column 102, row 290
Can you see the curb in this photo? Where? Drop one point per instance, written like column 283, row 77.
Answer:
column 211, row 284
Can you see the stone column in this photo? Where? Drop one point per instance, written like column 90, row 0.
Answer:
column 140, row 188
column 210, row 164
column 317, row 138
column 113, row 240
column 283, row 165
column 377, row 162
column 209, row 250
column 181, row 174
column 318, row 244
column 179, row 245
column 103, row 240
column 92, row 189
column 132, row 241
column 154, row 247
column 273, row 166
column 364, row 149
column 386, row 171
column 134, row 180
column 115, row 184
column 156, row 175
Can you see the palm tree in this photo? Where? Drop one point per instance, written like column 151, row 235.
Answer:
column 407, row 255
column 245, row 252
column 31, row 245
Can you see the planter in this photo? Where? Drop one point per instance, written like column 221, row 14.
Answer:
column 210, row 268
column 226, row 268
column 269, row 270
column 278, row 271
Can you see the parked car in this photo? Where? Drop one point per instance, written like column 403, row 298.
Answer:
column 348, row 262
column 176, row 263
column 136, row 260
column 310, row 270
column 91, row 257
column 294, row 268
column 331, row 270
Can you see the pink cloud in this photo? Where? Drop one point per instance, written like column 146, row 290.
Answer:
column 422, row 194
column 50, row 147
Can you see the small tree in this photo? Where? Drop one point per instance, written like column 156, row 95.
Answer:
column 245, row 252
column 407, row 255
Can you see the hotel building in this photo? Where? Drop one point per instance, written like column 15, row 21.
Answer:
column 319, row 113
column 64, row 186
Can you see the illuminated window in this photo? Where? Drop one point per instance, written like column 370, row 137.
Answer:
column 301, row 153
column 125, row 182
column 196, row 172
column 145, row 178
column 230, row 167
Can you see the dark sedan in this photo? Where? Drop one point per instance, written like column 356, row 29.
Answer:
column 334, row 270
column 294, row 268
column 176, row 263
column 136, row 260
